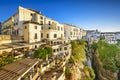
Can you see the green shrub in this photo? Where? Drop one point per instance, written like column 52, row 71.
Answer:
column 6, row 60
column 67, row 72
column 91, row 75
column 42, row 52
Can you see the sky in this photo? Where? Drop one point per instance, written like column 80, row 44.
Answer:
column 103, row 15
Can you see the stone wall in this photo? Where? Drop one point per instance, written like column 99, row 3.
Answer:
column 5, row 39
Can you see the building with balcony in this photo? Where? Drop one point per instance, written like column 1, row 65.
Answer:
column 28, row 30
column 7, row 26
column 52, row 31
column 32, row 26
column 21, row 23
column 73, row 32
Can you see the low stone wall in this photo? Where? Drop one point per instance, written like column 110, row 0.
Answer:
column 5, row 39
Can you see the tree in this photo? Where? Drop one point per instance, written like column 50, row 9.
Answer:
column 43, row 52
column 6, row 60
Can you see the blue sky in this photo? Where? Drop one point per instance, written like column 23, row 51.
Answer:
column 103, row 15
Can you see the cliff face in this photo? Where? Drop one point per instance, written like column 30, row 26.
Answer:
column 79, row 71
column 76, row 73
column 76, row 68
column 101, row 72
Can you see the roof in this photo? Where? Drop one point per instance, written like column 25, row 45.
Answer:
column 108, row 32
column 33, row 10
column 71, row 25
column 12, row 45
column 16, row 69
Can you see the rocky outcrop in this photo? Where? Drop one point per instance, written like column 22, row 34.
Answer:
column 76, row 73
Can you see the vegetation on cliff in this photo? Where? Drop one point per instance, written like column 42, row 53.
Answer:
column 109, row 55
column 88, row 73
column 78, row 51
column 77, row 63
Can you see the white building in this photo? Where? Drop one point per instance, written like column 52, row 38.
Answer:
column 35, row 28
column 92, row 36
column 72, row 32
column 118, row 35
column 32, row 26
column 110, row 37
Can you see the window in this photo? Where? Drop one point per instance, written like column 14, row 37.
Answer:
column 35, row 27
column 42, row 27
column 31, row 14
column 35, row 35
column 57, row 42
column 57, row 49
column 61, row 28
column 41, row 22
column 17, row 31
column 41, row 17
column 51, row 42
column 49, row 22
column 58, row 28
column 61, row 35
column 60, row 49
column 49, row 27
column 41, row 35
column 54, row 50
column 55, row 35
column 25, row 27
column 65, row 48
column 15, row 23
column 47, row 35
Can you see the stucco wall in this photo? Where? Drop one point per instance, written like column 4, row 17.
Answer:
column 30, row 31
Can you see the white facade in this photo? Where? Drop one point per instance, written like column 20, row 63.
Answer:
column 92, row 36
column 118, row 35
column 47, row 28
column 110, row 37
column 52, row 31
column 32, row 32
column 72, row 32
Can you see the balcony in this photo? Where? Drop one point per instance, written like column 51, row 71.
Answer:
column 49, row 27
